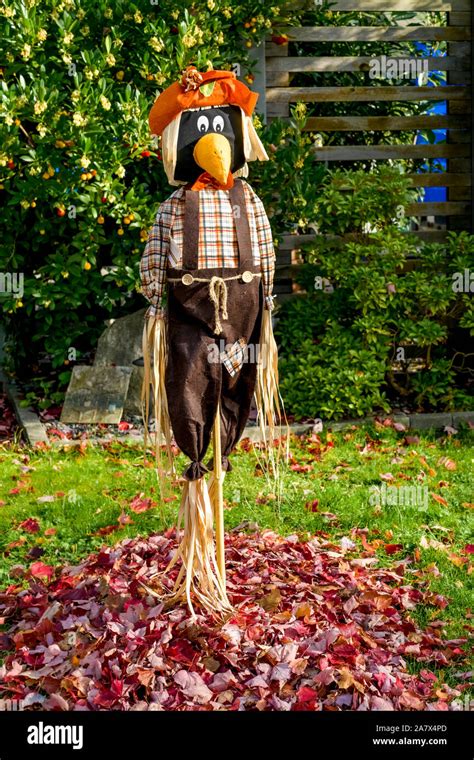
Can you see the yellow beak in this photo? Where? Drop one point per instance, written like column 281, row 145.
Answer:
column 213, row 154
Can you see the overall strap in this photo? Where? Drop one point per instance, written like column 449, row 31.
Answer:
column 191, row 227
column 239, row 212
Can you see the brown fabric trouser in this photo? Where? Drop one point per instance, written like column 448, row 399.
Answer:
column 195, row 381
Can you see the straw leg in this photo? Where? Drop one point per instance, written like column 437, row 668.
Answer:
column 219, row 500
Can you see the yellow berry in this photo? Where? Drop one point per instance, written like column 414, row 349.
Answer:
column 84, row 176
column 120, row 75
column 248, row 44
column 126, row 220
column 100, row 219
column 33, row 204
column 87, row 265
column 120, row 231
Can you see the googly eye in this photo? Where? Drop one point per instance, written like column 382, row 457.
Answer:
column 218, row 124
column 203, row 124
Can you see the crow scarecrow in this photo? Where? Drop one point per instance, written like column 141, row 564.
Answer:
column 212, row 244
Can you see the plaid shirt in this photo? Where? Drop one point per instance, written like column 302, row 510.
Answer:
column 218, row 248
column 217, row 240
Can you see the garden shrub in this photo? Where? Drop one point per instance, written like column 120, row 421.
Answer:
column 382, row 321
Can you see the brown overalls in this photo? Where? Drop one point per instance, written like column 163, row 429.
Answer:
column 194, row 384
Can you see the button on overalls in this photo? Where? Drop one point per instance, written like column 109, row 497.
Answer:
column 208, row 307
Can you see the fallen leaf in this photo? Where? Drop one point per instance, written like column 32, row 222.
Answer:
column 393, row 548
column 439, row 499
column 271, row 601
column 141, row 504
column 40, row 570
column 432, row 543
column 30, row 525
column 193, row 686
column 449, row 464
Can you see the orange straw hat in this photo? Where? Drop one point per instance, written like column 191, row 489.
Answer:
column 195, row 90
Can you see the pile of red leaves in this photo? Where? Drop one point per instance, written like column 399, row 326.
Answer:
column 315, row 628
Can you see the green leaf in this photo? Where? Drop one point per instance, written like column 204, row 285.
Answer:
column 207, row 89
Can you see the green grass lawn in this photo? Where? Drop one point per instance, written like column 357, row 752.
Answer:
column 330, row 490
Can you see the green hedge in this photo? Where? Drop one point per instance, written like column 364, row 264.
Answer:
column 386, row 319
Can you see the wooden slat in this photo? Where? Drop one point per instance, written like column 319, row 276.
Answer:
column 384, row 123
column 440, row 179
column 354, row 94
column 295, row 242
column 289, row 242
column 426, row 179
column 374, row 33
column 440, row 208
column 365, row 152
column 459, row 18
column 431, row 236
column 386, row 6
column 275, row 50
column 301, row 64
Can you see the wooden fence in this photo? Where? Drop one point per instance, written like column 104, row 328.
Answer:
column 280, row 67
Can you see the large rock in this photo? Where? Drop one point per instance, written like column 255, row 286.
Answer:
column 120, row 344
column 96, row 394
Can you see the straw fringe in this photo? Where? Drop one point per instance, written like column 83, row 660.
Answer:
column 155, row 343
column 198, row 575
column 269, row 403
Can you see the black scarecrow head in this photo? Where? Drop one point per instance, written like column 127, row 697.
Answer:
column 205, row 123
column 210, row 139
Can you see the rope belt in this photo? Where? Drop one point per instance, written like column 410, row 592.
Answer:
column 217, row 292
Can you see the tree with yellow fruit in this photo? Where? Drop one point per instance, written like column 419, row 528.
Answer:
column 80, row 180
